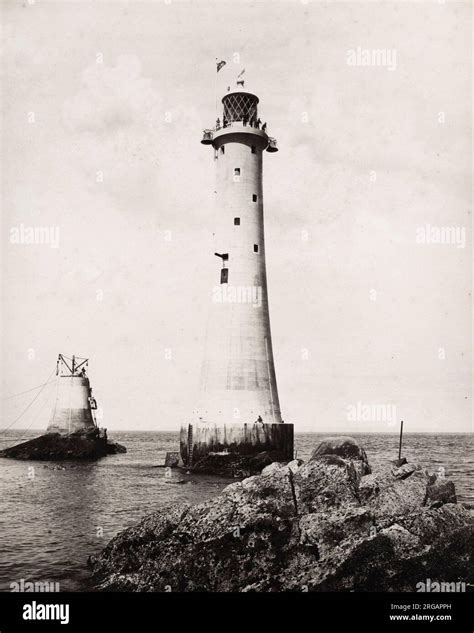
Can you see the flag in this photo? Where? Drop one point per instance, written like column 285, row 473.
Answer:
column 220, row 65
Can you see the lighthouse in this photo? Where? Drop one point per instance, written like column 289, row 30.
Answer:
column 74, row 406
column 72, row 432
column 238, row 408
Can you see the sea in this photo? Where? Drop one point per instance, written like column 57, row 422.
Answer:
column 54, row 515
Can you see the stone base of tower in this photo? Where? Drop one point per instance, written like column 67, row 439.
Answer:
column 234, row 440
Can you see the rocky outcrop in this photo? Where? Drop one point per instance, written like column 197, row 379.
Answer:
column 326, row 525
column 235, row 465
column 114, row 448
column 54, row 447
column 346, row 448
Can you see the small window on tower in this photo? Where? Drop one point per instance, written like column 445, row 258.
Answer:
column 222, row 149
column 237, row 221
column 254, row 197
column 255, row 248
column 224, row 275
column 237, row 171
column 254, row 149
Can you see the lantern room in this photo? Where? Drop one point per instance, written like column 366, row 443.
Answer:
column 240, row 105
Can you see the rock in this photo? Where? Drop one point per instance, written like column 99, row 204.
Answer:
column 295, row 464
column 268, row 470
column 393, row 561
column 56, row 447
column 234, row 464
column 441, row 491
column 399, row 462
column 404, row 471
column 394, row 491
column 400, row 496
column 287, row 467
column 127, row 549
column 113, row 448
column 404, row 542
column 381, row 488
column 326, row 530
column 172, row 459
column 435, row 522
column 346, row 448
column 319, row 526
column 328, row 482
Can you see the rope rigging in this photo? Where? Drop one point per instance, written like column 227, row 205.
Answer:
column 32, row 401
column 35, row 418
column 21, row 393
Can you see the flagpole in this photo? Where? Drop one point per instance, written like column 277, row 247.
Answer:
column 215, row 90
column 219, row 64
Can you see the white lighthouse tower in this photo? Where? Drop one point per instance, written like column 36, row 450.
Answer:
column 238, row 409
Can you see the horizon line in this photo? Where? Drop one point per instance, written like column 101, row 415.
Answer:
column 394, row 432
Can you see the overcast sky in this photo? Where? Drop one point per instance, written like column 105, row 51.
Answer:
column 104, row 104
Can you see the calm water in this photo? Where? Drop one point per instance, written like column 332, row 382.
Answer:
column 53, row 516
